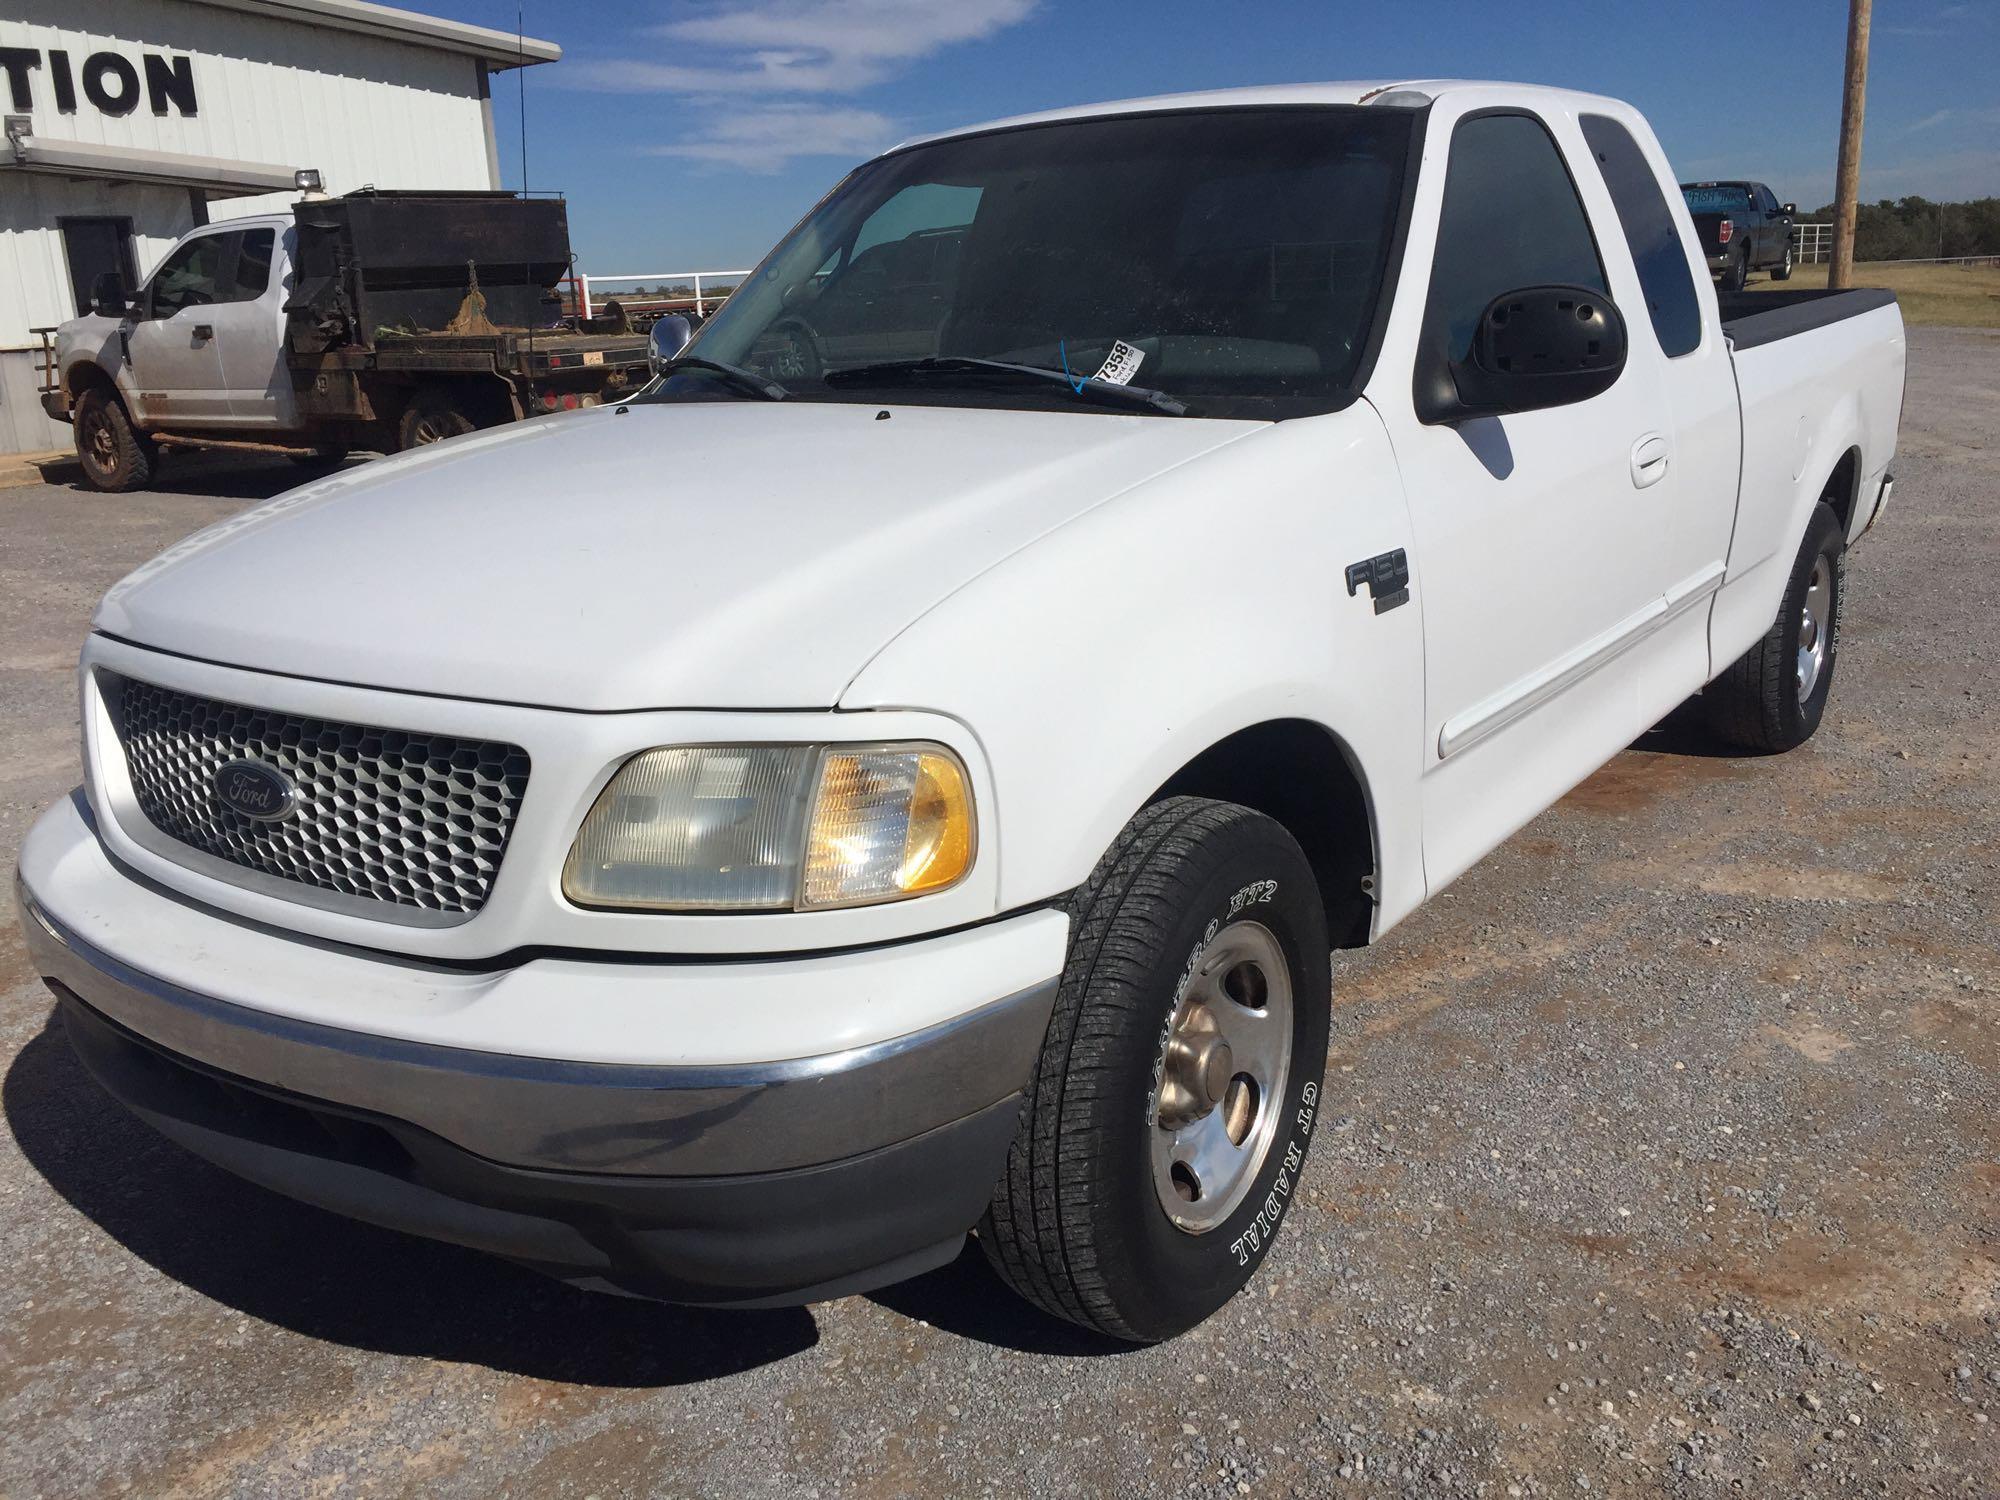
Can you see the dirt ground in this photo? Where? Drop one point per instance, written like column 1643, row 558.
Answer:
column 1662, row 1158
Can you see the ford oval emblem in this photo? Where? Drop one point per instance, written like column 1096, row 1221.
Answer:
column 256, row 790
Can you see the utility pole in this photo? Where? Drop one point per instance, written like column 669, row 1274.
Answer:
column 1847, row 180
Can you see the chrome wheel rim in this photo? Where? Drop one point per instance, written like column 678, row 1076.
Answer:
column 1815, row 619
column 1219, row 1085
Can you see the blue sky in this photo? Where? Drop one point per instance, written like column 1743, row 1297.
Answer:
column 690, row 134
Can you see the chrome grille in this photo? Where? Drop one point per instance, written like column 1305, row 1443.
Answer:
column 394, row 816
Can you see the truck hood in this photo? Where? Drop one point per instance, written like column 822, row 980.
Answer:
column 715, row 555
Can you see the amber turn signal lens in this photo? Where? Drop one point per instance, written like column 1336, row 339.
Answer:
column 890, row 821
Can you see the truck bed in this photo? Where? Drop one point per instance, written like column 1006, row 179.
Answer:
column 1753, row 318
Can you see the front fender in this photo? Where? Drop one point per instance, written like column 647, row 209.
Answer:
column 1095, row 663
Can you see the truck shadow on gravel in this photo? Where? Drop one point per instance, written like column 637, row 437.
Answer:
column 221, row 476
column 332, row 1278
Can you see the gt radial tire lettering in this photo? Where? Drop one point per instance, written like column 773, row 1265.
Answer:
column 1261, row 1228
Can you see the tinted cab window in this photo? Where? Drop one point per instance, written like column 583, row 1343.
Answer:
column 252, row 273
column 1511, row 219
column 1649, row 228
column 190, row 277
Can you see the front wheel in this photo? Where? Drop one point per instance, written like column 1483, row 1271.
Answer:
column 1783, row 270
column 115, row 455
column 1772, row 698
column 1163, row 1134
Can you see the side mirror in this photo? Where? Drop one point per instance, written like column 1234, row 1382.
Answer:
column 670, row 335
column 1537, row 347
column 108, row 297
column 1788, row 209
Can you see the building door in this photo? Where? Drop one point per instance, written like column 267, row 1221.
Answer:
column 93, row 247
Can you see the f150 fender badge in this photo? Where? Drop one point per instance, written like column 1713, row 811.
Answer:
column 1387, row 575
column 256, row 790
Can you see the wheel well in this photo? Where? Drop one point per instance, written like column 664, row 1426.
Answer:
column 1298, row 773
column 86, row 376
column 1842, row 485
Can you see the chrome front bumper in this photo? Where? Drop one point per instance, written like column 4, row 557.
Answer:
column 558, row 1115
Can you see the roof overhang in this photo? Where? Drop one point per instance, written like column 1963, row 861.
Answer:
column 497, row 49
column 217, row 176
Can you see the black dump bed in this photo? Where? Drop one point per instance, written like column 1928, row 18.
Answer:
column 1753, row 318
column 375, row 263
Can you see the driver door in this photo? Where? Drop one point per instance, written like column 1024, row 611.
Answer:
column 176, row 360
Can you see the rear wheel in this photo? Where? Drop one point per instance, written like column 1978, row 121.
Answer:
column 1163, row 1134
column 1773, row 697
column 431, row 417
column 1738, row 270
column 114, row 454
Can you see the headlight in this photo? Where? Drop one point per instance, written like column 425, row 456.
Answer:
column 774, row 828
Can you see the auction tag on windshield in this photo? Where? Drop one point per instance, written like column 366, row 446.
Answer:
column 1120, row 365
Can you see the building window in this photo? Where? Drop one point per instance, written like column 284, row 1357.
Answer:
column 93, row 247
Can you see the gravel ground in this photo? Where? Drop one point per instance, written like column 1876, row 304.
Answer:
column 1662, row 1158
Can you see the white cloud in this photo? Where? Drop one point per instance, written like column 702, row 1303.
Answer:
column 1955, row 117
column 799, row 46
column 766, row 140
column 789, row 51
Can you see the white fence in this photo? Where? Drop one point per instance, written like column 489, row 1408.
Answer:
column 1812, row 243
column 669, row 286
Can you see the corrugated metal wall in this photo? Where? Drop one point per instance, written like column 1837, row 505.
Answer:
column 364, row 110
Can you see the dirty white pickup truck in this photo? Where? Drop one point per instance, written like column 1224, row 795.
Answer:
column 904, row 773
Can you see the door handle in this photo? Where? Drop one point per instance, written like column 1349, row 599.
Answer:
column 204, row 331
column 1649, row 461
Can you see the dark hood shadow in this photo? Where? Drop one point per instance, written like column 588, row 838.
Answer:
column 351, row 1283
column 968, row 1299
column 230, row 476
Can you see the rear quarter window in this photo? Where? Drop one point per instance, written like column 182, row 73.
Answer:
column 1650, row 232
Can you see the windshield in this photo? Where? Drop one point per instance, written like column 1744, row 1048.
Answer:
column 1237, row 254
column 1714, row 199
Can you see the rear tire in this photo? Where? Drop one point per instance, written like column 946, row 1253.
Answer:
column 1773, row 697
column 1152, row 1165
column 431, row 417
column 114, row 454
column 1737, row 271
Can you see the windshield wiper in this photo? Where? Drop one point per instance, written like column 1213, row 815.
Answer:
column 925, row 369
column 736, row 375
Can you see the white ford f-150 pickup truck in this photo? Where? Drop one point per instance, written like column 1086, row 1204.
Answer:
column 905, row 771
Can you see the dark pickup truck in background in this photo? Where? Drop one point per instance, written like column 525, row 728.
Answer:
column 1742, row 228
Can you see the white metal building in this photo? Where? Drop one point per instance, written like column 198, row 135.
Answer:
column 129, row 122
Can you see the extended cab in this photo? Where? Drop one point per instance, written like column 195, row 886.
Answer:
column 376, row 320
column 895, row 777
column 1741, row 227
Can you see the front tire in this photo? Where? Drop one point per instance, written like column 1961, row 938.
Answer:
column 1783, row 270
column 115, row 455
column 1164, row 1131
column 1773, row 697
